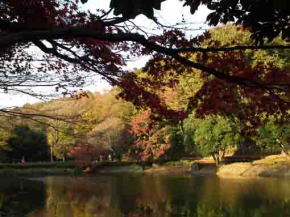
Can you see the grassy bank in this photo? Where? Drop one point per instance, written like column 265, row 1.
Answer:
column 66, row 168
column 271, row 166
column 38, row 169
column 67, row 164
column 274, row 165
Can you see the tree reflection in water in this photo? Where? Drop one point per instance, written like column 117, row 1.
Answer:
column 18, row 197
column 162, row 196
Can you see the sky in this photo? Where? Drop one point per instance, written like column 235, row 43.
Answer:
column 171, row 13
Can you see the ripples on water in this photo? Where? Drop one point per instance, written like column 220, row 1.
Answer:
column 144, row 196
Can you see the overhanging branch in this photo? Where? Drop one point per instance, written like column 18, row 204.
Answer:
column 75, row 32
column 59, row 33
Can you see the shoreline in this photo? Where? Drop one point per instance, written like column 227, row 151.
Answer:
column 271, row 166
column 36, row 172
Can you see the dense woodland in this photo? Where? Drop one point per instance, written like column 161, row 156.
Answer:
column 233, row 119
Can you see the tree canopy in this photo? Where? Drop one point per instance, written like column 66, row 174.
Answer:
column 213, row 135
column 57, row 43
column 28, row 145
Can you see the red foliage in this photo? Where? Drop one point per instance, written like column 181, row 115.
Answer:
column 151, row 141
column 97, row 56
column 219, row 96
column 140, row 97
column 84, row 156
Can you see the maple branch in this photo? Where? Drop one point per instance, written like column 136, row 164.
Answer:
column 30, row 116
column 53, row 51
column 23, row 114
column 115, row 21
column 59, row 33
column 233, row 48
column 224, row 76
column 83, row 61
column 30, row 93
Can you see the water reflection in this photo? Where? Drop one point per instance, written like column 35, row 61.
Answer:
column 162, row 196
column 19, row 197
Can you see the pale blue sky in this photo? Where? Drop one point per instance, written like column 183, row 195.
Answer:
column 171, row 13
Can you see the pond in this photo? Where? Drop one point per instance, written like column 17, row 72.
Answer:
column 144, row 196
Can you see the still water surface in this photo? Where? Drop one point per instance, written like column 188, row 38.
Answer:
column 144, row 196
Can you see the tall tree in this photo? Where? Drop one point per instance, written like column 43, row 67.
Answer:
column 28, row 145
column 213, row 135
column 154, row 140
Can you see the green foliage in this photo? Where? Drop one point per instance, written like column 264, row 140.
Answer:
column 3, row 155
column 176, row 140
column 274, row 136
column 189, row 126
column 28, row 144
column 99, row 120
column 230, row 35
column 60, row 138
column 212, row 135
column 179, row 163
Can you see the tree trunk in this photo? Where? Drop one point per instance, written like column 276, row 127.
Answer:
column 51, row 153
column 223, row 152
column 284, row 150
column 221, row 155
column 181, row 128
column 216, row 159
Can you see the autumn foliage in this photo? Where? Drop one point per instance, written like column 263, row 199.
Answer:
column 152, row 141
column 60, row 28
column 84, row 156
column 243, row 84
column 245, row 102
